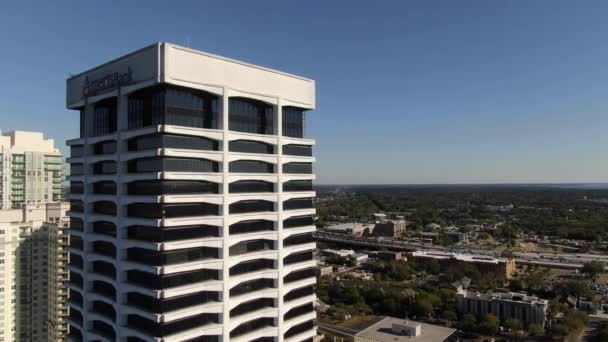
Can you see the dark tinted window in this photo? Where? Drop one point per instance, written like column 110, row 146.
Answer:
column 252, row 305
column 298, row 221
column 76, row 169
column 299, row 275
column 104, row 228
column 76, row 151
column 160, row 164
column 251, row 226
column 297, row 203
column 76, row 224
column 297, row 257
column 250, row 116
column 251, row 206
column 106, row 167
column 251, row 285
column 104, row 289
column 76, row 187
column 298, row 239
column 252, row 266
column 300, row 168
column 165, row 187
column 105, row 147
column 251, row 246
column 104, row 268
column 297, row 150
column 105, row 207
column 297, row 185
column 298, row 329
column 299, row 293
column 155, row 281
column 162, row 234
column 191, row 108
column 168, row 210
column 299, row 311
column 165, row 329
column 158, row 258
column 153, row 141
column 252, row 325
column 245, row 186
column 171, row 105
column 163, row 305
column 293, row 122
column 77, row 206
column 105, row 187
column 251, row 166
column 250, row 146
column 104, row 248
column 104, row 117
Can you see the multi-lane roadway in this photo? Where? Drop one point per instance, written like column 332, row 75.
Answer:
column 554, row 260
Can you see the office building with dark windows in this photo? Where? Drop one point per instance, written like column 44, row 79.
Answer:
column 191, row 201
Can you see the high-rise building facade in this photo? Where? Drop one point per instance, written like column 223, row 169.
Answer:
column 33, row 273
column 30, row 170
column 191, row 201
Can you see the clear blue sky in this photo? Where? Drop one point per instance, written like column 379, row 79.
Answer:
column 408, row 91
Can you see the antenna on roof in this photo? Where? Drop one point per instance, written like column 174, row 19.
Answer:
column 187, row 41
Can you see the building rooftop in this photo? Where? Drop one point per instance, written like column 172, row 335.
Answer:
column 24, row 141
column 349, row 226
column 383, row 331
column 458, row 256
column 341, row 252
column 510, row 296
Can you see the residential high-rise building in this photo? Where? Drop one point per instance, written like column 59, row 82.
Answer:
column 30, row 170
column 191, row 201
column 33, row 273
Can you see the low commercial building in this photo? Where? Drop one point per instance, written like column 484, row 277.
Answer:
column 380, row 329
column 389, row 256
column 346, row 253
column 502, row 267
column 352, row 228
column 325, row 270
column 456, row 237
column 392, row 228
column 527, row 309
column 338, row 252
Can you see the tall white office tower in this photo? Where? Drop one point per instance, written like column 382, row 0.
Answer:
column 30, row 170
column 191, row 201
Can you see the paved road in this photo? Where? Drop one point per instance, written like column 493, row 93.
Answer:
column 555, row 260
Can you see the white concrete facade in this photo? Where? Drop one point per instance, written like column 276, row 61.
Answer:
column 167, row 65
column 32, row 266
column 30, row 169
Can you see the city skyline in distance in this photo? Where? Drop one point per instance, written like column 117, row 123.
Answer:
column 428, row 93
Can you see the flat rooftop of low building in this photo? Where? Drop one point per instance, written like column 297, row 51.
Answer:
column 509, row 296
column 382, row 330
column 458, row 256
column 349, row 225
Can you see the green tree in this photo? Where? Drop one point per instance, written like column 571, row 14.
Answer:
column 468, row 323
column 516, row 285
column 536, row 329
column 433, row 266
column 449, row 315
column 513, row 324
column 423, row 307
column 592, row 269
column 507, row 253
column 490, row 324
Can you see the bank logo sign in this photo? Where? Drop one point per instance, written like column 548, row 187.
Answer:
column 108, row 82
